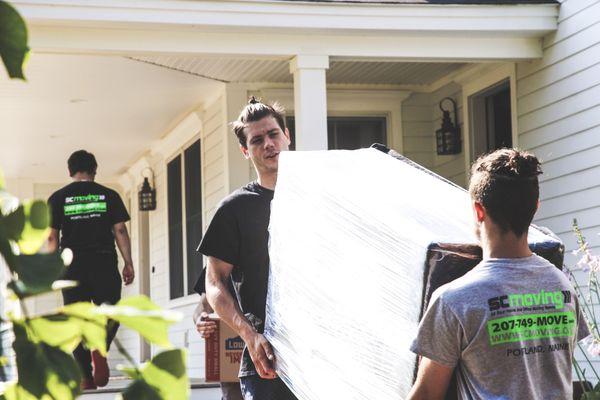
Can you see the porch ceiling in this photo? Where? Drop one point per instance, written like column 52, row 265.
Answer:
column 109, row 105
column 254, row 69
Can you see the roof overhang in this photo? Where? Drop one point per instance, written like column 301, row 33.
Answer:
column 272, row 28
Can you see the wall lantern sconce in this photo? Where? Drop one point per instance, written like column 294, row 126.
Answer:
column 147, row 195
column 448, row 136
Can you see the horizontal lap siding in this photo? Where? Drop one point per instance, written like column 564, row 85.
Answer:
column 450, row 167
column 421, row 117
column 183, row 333
column 416, row 129
column 559, row 120
column 214, row 163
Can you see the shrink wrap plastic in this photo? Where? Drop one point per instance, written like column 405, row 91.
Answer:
column 349, row 233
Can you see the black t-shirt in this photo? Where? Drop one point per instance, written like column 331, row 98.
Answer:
column 85, row 213
column 238, row 234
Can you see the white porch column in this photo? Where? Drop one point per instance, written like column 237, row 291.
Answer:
column 310, row 101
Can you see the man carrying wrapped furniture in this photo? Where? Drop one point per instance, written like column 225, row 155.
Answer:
column 509, row 326
column 236, row 242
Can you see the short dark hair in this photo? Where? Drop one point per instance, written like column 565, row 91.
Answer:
column 82, row 161
column 505, row 182
column 255, row 110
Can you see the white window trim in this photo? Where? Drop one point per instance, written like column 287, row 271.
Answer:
column 186, row 298
column 482, row 81
column 355, row 103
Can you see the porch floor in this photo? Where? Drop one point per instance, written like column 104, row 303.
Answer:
column 200, row 390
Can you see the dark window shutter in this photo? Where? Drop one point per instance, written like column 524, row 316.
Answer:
column 193, row 217
column 175, row 228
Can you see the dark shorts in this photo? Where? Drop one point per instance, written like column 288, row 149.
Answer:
column 256, row 388
column 231, row 391
column 99, row 281
column 98, row 276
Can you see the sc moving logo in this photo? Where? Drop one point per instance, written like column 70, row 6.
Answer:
column 234, row 343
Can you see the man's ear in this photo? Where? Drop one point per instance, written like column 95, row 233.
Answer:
column 479, row 211
column 537, row 205
column 286, row 132
column 244, row 151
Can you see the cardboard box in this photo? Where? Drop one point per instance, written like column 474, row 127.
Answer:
column 223, row 352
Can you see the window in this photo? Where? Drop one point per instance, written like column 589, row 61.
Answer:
column 348, row 133
column 491, row 119
column 184, row 190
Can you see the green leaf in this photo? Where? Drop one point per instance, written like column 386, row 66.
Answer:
column 36, row 273
column 56, row 330
column 91, row 324
column 7, row 253
column 14, row 391
column 140, row 390
column 129, row 371
column 142, row 315
column 39, row 215
column 166, row 374
column 35, row 232
column 44, row 371
column 12, row 225
column 76, row 322
column 172, row 361
column 13, row 40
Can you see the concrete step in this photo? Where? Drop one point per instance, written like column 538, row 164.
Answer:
column 200, row 390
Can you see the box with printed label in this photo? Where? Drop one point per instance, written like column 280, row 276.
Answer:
column 223, row 353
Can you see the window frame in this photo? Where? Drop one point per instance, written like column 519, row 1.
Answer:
column 480, row 81
column 180, row 152
column 345, row 117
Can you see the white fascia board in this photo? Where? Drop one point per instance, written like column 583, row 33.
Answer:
column 258, row 16
column 140, row 42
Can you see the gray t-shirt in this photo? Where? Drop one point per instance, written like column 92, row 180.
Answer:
column 509, row 327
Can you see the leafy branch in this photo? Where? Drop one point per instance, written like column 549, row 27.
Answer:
column 13, row 41
column 588, row 296
column 43, row 344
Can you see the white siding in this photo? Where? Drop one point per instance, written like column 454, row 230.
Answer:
column 417, row 129
column 451, row 167
column 183, row 334
column 213, row 149
column 421, row 117
column 559, row 120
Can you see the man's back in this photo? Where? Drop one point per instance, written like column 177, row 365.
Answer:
column 509, row 327
column 85, row 212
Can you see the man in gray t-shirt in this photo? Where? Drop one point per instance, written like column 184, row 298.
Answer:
column 508, row 328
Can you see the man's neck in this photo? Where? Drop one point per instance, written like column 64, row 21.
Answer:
column 267, row 180
column 504, row 245
column 82, row 177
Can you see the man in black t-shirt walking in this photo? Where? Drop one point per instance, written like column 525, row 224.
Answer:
column 90, row 217
column 236, row 244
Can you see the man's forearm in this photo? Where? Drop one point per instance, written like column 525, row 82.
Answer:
column 123, row 243
column 226, row 307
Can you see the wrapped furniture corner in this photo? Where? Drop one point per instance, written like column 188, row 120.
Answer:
column 350, row 233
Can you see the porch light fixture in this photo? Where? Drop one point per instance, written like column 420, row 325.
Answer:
column 448, row 136
column 147, row 195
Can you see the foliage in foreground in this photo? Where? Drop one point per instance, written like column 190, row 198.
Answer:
column 589, row 295
column 13, row 40
column 43, row 343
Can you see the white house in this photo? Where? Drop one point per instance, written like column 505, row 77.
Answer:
column 149, row 86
